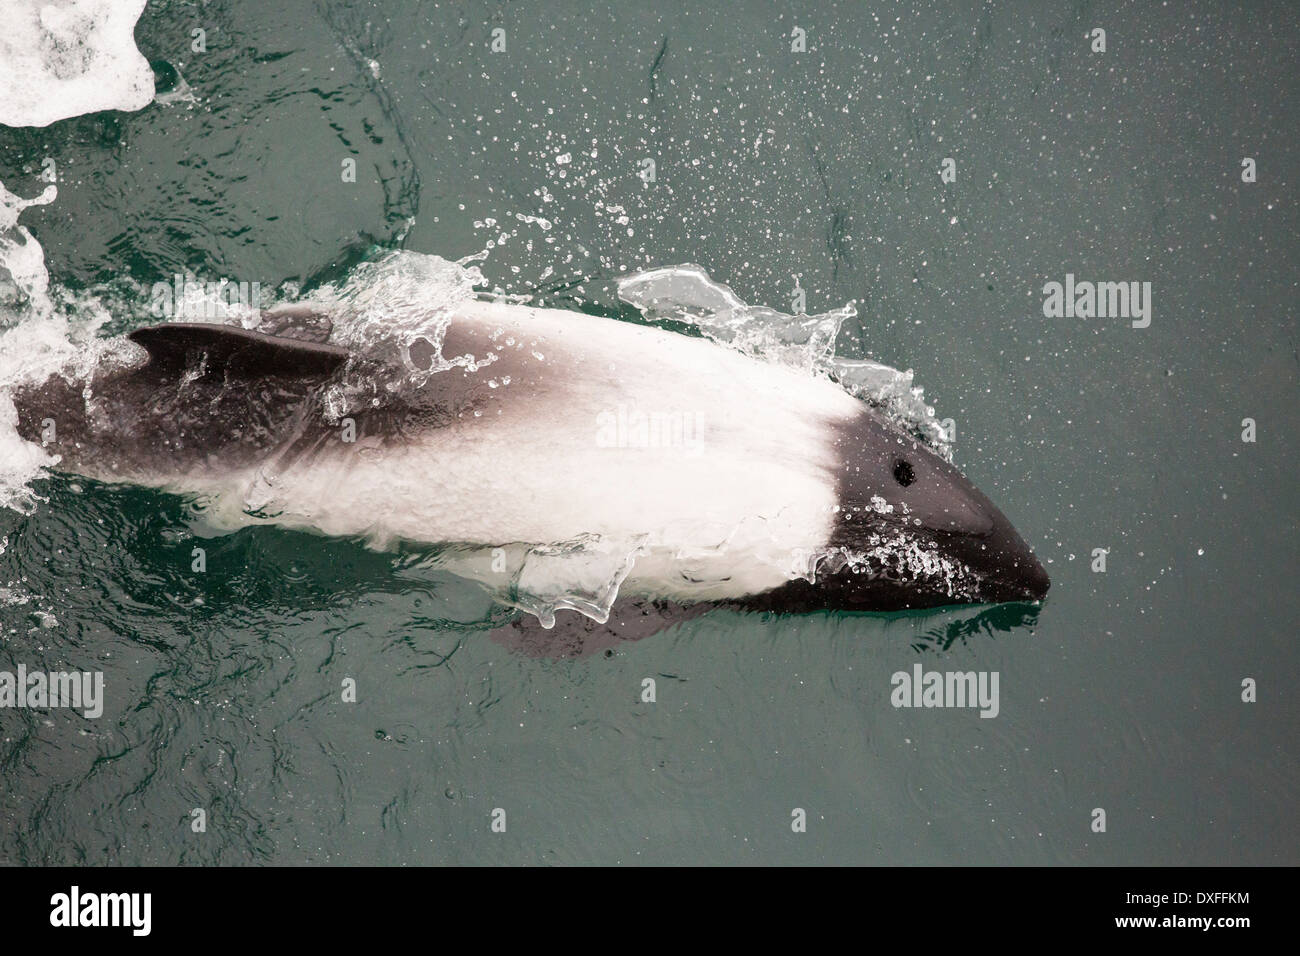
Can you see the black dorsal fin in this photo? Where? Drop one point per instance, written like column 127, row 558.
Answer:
column 236, row 351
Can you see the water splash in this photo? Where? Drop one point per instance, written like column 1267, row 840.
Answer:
column 582, row 575
column 893, row 556
column 401, row 302
column 22, row 259
column 41, row 334
column 892, row 391
column 64, row 58
column 686, row 294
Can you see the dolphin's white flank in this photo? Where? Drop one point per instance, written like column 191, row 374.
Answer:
column 597, row 427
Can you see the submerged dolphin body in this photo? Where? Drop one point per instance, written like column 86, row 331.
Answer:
column 731, row 480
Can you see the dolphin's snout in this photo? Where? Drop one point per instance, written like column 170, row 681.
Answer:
column 1019, row 577
column 1008, row 567
column 1037, row 582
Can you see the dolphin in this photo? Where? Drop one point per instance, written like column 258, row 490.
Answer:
column 712, row 477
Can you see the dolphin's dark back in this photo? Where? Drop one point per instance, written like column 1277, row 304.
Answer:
column 210, row 398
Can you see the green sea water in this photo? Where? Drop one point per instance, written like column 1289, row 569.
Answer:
column 1123, row 692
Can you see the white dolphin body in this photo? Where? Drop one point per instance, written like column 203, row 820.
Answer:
column 572, row 454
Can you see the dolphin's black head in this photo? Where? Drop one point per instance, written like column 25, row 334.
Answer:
column 911, row 532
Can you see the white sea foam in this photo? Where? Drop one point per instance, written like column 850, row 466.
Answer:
column 64, row 58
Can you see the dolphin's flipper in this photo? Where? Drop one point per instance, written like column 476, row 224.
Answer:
column 236, row 352
column 576, row 635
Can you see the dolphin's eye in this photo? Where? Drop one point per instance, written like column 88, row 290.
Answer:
column 904, row 473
